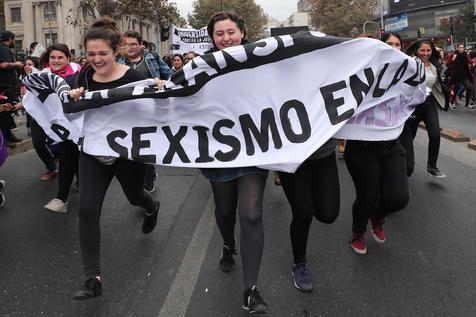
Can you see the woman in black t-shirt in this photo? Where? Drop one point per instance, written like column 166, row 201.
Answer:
column 96, row 173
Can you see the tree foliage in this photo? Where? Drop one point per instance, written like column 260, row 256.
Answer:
column 463, row 25
column 342, row 17
column 255, row 18
column 160, row 11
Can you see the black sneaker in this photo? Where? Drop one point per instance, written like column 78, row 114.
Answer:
column 302, row 277
column 2, row 195
column 435, row 172
column 226, row 260
column 92, row 287
column 150, row 220
column 253, row 303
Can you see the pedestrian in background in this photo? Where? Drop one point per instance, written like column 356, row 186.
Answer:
column 9, row 87
column 57, row 59
column 149, row 65
column 460, row 76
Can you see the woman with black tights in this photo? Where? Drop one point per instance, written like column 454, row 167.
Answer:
column 310, row 197
column 101, row 43
column 427, row 111
column 57, row 59
column 378, row 170
column 238, row 186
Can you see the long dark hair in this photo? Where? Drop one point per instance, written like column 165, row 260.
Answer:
column 412, row 51
column 225, row 15
column 386, row 36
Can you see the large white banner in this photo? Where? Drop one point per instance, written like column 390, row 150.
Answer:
column 186, row 40
column 269, row 104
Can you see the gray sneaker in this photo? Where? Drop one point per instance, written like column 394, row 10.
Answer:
column 435, row 172
column 302, row 277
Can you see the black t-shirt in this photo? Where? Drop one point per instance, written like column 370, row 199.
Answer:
column 8, row 77
column 90, row 84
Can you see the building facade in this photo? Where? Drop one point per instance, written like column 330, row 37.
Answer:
column 427, row 18
column 48, row 22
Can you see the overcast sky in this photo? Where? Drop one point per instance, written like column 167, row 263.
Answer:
column 279, row 9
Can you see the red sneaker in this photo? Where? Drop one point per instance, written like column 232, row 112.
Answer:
column 358, row 243
column 377, row 230
column 49, row 175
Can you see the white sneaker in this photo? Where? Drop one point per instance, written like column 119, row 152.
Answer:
column 56, row 205
column 452, row 106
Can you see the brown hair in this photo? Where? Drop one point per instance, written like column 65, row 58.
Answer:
column 134, row 34
column 225, row 15
column 45, row 57
column 105, row 29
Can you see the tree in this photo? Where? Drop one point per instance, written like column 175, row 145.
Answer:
column 255, row 19
column 463, row 25
column 160, row 11
column 342, row 17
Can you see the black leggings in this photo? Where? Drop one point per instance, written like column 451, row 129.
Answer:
column 428, row 113
column 378, row 170
column 468, row 88
column 247, row 192
column 39, row 140
column 68, row 167
column 313, row 190
column 95, row 179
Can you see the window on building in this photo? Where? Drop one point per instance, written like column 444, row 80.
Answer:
column 16, row 15
column 18, row 45
column 54, row 37
column 49, row 12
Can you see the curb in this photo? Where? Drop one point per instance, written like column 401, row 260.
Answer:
column 472, row 144
column 454, row 135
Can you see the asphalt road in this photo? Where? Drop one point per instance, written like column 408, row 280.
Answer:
column 427, row 267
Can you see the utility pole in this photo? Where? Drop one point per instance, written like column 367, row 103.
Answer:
column 381, row 14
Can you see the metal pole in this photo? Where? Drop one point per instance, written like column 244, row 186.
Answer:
column 381, row 15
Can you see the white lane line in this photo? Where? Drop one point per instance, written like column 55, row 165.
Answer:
column 178, row 298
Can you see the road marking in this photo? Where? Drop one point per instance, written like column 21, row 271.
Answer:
column 178, row 298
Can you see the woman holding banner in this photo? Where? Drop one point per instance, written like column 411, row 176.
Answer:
column 238, row 186
column 57, row 59
column 102, row 43
column 378, row 170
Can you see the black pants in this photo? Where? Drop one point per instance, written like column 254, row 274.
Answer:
column 150, row 176
column 246, row 192
column 428, row 113
column 313, row 190
column 39, row 140
column 468, row 86
column 95, row 179
column 68, row 167
column 378, row 170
